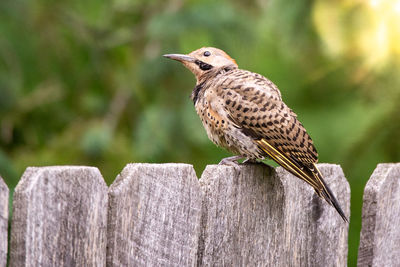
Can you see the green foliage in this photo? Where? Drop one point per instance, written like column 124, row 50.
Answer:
column 83, row 82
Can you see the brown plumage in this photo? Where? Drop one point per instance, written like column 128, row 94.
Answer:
column 243, row 112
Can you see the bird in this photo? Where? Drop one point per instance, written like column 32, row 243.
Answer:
column 243, row 112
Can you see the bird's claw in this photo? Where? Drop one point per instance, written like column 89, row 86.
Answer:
column 231, row 161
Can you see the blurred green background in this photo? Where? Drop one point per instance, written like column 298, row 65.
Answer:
column 83, row 82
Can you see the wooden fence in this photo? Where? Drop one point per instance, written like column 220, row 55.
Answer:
column 162, row 215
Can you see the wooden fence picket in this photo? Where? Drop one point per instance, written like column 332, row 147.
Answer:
column 154, row 216
column 380, row 233
column 59, row 218
column 256, row 216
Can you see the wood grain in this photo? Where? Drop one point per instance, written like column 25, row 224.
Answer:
column 59, row 218
column 154, row 216
column 380, row 234
column 4, row 194
column 258, row 216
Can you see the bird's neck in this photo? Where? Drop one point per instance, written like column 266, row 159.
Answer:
column 205, row 77
column 197, row 90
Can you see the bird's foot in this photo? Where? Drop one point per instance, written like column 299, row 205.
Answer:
column 232, row 161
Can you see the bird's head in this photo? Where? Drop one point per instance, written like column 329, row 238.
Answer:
column 204, row 59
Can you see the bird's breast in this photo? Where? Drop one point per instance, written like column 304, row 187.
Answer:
column 214, row 123
column 221, row 130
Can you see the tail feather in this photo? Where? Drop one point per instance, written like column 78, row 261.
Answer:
column 309, row 174
column 329, row 196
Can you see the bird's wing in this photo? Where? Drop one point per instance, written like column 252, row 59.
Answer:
column 279, row 134
column 256, row 106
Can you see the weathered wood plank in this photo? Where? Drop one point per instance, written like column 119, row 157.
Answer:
column 256, row 216
column 59, row 218
column 380, row 233
column 154, row 216
column 4, row 194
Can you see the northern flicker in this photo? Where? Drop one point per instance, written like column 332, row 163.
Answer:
column 243, row 112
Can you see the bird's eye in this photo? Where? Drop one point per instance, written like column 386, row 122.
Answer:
column 206, row 53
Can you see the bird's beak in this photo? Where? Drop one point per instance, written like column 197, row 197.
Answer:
column 180, row 57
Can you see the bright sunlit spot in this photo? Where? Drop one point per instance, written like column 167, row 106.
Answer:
column 374, row 3
column 370, row 30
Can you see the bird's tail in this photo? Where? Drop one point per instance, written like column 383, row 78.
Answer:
column 327, row 194
column 309, row 174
